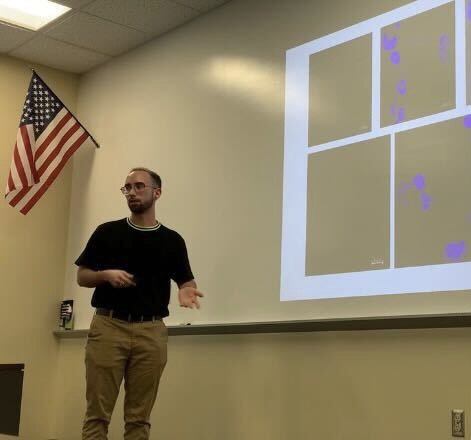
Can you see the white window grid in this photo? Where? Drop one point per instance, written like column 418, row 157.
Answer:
column 295, row 285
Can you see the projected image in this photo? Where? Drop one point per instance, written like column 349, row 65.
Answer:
column 418, row 68
column 433, row 176
column 377, row 169
column 468, row 49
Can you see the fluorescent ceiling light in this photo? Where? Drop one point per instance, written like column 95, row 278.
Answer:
column 30, row 14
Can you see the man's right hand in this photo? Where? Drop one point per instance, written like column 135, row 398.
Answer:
column 119, row 279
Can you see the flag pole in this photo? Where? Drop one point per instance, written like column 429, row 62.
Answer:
column 86, row 131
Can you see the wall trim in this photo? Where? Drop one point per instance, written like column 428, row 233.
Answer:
column 452, row 320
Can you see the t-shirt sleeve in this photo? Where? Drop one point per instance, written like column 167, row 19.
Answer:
column 181, row 272
column 90, row 257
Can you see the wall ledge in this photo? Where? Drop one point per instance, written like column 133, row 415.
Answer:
column 452, row 320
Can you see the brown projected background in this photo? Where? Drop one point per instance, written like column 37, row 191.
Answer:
column 340, row 91
column 348, row 208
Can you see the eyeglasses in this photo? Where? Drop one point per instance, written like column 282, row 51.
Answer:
column 137, row 186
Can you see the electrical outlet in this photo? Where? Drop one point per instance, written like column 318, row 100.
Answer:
column 457, row 423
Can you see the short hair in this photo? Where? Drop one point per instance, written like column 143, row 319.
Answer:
column 153, row 175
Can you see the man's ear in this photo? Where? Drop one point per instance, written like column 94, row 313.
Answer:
column 157, row 193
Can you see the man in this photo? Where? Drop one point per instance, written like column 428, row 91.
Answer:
column 130, row 263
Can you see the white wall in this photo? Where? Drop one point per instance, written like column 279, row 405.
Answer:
column 204, row 107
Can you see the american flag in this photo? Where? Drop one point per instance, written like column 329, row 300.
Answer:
column 47, row 137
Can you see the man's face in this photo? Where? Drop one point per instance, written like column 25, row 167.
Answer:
column 142, row 192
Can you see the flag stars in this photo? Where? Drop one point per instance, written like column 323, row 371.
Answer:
column 40, row 107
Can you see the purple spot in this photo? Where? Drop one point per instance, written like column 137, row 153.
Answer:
column 389, row 43
column 401, row 87
column 395, row 57
column 467, row 121
column 404, row 188
column 402, row 193
column 444, row 46
column 456, row 251
column 419, row 182
column 397, row 25
column 444, row 41
column 468, row 11
column 401, row 115
column 426, row 200
column 392, row 109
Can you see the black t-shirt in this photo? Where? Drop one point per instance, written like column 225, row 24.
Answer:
column 153, row 255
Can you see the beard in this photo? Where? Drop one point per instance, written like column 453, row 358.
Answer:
column 139, row 206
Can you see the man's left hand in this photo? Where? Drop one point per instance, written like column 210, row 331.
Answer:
column 188, row 297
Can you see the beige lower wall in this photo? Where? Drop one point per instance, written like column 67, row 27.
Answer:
column 370, row 385
column 32, row 250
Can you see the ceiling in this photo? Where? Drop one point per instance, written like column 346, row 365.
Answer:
column 95, row 31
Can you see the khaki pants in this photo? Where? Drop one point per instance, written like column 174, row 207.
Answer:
column 117, row 350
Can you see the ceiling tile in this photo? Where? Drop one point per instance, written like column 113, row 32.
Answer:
column 151, row 16
column 12, row 37
column 202, row 5
column 94, row 33
column 74, row 4
column 83, row 39
column 63, row 56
